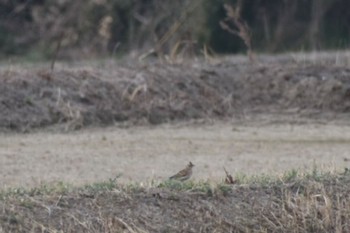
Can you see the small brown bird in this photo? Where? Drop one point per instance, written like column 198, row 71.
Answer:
column 184, row 174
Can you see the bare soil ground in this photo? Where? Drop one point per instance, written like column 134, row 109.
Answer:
column 142, row 154
column 84, row 124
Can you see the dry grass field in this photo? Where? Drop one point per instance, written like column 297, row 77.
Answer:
column 142, row 154
column 90, row 148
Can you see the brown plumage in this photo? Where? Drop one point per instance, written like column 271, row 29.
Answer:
column 184, row 174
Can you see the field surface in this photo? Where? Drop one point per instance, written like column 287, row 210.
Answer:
column 90, row 147
column 149, row 153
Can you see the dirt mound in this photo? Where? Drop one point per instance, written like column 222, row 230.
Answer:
column 159, row 93
column 314, row 204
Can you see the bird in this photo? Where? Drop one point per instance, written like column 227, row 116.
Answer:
column 184, row 174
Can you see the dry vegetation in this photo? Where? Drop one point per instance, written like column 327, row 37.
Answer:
column 293, row 202
column 168, row 90
column 91, row 28
column 156, row 93
column 243, row 32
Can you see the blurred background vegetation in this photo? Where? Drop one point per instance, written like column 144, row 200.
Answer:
column 101, row 28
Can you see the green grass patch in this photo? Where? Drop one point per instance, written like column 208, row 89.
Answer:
column 208, row 187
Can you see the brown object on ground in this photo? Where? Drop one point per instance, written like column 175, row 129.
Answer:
column 229, row 179
column 184, row 174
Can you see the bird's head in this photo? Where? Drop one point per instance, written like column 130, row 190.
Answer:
column 190, row 164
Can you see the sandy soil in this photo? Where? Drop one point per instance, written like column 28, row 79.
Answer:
column 145, row 153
